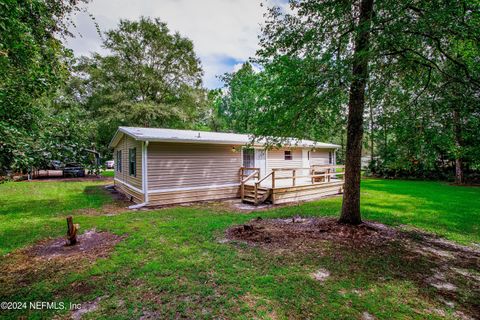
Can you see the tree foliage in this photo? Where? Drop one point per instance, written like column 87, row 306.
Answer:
column 32, row 67
column 150, row 78
column 422, row 90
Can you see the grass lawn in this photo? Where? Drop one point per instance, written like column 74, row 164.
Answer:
column 171, row 264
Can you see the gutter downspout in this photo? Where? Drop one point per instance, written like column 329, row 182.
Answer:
column 144, row 178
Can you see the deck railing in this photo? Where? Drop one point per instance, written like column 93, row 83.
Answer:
column 316, row 174
column 245, row 175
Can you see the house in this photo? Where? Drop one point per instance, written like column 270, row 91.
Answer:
column 155, row 166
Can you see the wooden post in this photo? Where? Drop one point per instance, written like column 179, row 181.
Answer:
column 273, row 179
column 256, row 193
column 71, row 231
column 294, row 173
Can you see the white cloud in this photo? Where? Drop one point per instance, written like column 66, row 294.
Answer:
column 224, row 32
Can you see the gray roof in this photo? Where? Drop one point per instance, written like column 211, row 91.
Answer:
column 195, row 136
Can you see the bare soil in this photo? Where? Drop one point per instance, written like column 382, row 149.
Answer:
column 91, row 244
column 288, row 232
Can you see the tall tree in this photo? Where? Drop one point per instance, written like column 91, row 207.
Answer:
column 151, row 77
column 356, row 105
column 358, row 45
column 32, row 68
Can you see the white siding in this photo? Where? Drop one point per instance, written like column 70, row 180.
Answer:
column 190, row 165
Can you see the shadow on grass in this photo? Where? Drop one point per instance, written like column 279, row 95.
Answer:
column 429, row 275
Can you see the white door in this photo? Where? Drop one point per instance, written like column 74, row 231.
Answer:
column 260, row 161
column 305, row 161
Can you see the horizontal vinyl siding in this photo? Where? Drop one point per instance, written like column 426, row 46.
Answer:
column 137, row 180
column 135, row 196
column 185, row 165
column 124, row 144
column 319, row 157
column 276, row 159
column 165, row 198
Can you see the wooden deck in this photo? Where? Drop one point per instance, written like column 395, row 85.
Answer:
column 283, row 185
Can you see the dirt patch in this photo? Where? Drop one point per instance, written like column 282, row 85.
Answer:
column 51, row 259
column 91, row 244
column 287, row 232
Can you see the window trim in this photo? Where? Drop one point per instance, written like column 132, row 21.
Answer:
column 287, row 155
column 132, row 162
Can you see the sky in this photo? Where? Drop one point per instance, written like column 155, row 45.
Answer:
column 224, row 32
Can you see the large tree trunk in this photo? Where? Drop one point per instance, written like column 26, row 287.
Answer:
column 459, row 177
column 372, row 156
column 356, row 105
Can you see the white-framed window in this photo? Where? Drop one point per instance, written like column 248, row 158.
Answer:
column 287, row 155
column 132, row 162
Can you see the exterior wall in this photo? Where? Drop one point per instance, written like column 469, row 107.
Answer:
column 184, row 172
column 187, row 172
column 276, row 159
column 123, row 181
column 136, row 196
column 174, row 197
column 320, row 157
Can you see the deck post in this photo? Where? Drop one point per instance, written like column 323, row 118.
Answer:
column 294, row 173
column 256, row 193
column 242, row 185
column 273, row 179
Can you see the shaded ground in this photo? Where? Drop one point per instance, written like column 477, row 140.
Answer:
column 448, row 270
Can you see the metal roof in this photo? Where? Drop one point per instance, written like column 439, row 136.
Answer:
column 195, row 136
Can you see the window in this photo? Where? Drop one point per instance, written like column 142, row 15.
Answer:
column 132, row 162
column 330, row 157
column 119, row 161
column 288, row 155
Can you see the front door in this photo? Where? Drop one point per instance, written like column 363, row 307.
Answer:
column 260, row 161
column 255, row 158
column 248, row 160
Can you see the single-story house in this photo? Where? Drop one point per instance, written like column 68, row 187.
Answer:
column 155, row 166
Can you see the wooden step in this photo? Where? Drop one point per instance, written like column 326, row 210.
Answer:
column 259, row 192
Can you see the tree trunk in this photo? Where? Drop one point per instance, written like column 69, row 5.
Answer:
column 356, row 105
column 459, row 177
column 372, row 156
column 71, row 231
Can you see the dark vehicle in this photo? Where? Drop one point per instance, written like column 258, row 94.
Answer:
column 73, row 169
column 56, row 165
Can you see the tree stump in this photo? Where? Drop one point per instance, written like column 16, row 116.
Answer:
column 71, row 231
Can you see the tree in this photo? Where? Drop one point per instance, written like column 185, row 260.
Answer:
column 32, row 67
column 356, row 105
column 355, row 44
column 237, row 106
column 150, row 78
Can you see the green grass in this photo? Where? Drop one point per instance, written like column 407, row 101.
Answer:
column 171, row 262
column 108, row 173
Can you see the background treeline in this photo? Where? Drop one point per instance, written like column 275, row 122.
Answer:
column 422, row 115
